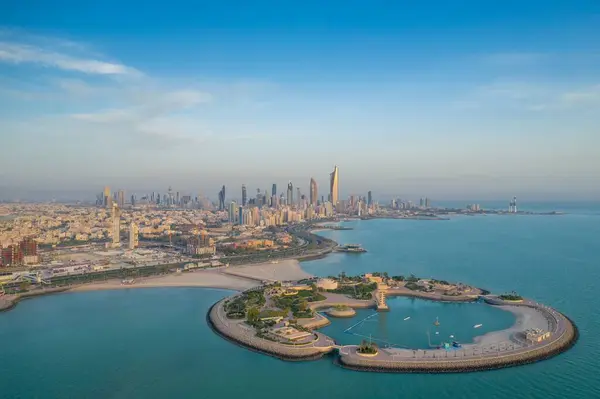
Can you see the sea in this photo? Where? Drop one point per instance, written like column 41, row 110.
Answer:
column 155, row 343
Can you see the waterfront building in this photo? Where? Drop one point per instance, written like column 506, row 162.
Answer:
column 11, row 256
column 512, row 205
column 369, row 199
column 427, row 203
column 334, row 186
column 244, row 195
column 133, row 235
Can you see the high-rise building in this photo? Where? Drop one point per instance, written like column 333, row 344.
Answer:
column 11, row 256
column 512, row 205
column 222, row 199
column 334, row 186
column 121, row 199
column 133, row 235
column 133, row 200
column 244, row 195
column 290, row 193
column 369, row 198
column 314, row 194
column 107, row 199
column 232, row 212
column 274, row 189
column 298, row 196
column 241, row 215
column 427, row 203
column 116, row 226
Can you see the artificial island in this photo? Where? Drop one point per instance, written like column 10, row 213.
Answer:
column 282, row 319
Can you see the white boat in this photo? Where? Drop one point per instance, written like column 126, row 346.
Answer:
column 406, row 318
column 477, row 325
column 437, row 333
column 452, row 336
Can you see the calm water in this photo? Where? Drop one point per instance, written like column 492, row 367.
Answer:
column 390, row 328
column 154, row 343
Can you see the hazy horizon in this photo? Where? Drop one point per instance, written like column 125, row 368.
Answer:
column 427, row 99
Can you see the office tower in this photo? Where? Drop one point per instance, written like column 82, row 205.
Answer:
column 106, row 196
column 298, row 199
column 241, row 215
column 222, row 199
column 334, row 186
column 232, row 212
column 121, row 198
column 369, row 198
column 116, row 226
column 133, row 235
column 133, row 200
column 314, row 194
column 244, row 195
column 290, row 194
column 177, row 198
column 421, row 202
column 427, row 203
column 274, row 189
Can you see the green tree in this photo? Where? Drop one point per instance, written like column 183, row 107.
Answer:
column 252, row 315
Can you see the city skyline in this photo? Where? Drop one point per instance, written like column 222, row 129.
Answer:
column 481, row 104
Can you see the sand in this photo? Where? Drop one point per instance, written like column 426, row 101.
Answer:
column 206, row 279
column 526, row 318
column 283, row 270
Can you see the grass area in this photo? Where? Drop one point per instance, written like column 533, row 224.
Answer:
column 358, row 291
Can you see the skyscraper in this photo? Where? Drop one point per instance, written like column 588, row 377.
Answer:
column 290, row 194
column 314, row 194
column 133, row 235
column 232, row 212
column 222, row 199
column 116, row 226
column 121, row 198
column 244, row 195
column 106, row 199
column 369, row 199
column 274, row 189
column 298, row 196
column 334, row 186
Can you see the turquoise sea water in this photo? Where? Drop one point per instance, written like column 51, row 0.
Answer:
column 390, row 328
column 154, row 343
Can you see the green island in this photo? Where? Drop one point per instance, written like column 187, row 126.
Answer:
column 282, row 319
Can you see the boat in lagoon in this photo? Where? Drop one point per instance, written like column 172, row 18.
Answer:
column 477, row 325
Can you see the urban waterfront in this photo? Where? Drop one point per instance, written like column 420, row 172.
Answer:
column 155, row 342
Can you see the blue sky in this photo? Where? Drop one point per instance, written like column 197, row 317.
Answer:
column 471, row 99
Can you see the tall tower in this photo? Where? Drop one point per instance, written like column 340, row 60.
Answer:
column 121, row 198
column 244, row 195
column 106, row 199
column 133, row 235
column 290, row 194
column 232, row 211
column 334, row 186
column 298, row 196
column 369, row 198
column 116, row 226
column 314, row 193
column 222, row 199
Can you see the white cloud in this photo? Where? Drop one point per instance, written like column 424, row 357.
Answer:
column 18, row 53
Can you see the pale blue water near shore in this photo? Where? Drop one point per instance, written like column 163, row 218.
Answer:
column 154, row 343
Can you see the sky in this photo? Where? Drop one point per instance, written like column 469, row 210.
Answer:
column 451, row 100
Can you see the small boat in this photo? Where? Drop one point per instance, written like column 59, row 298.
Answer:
column 406, row 318
column 437, row 322
column 452, row 336
column 477, row 325
column 456, row 344
column 437, row 333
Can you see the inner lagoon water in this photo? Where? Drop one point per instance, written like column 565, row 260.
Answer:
column 154, row 343
column 456, row 322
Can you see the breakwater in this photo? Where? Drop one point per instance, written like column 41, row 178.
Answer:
column 237, row 332
column 9, row 302
column 567, row 336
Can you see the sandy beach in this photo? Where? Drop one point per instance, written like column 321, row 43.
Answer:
column 201, row 279
column 282, row 270
column 526, row 318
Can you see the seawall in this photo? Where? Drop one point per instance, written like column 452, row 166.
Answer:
column 234, row 332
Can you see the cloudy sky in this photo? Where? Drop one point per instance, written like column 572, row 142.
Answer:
column 450, row 101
